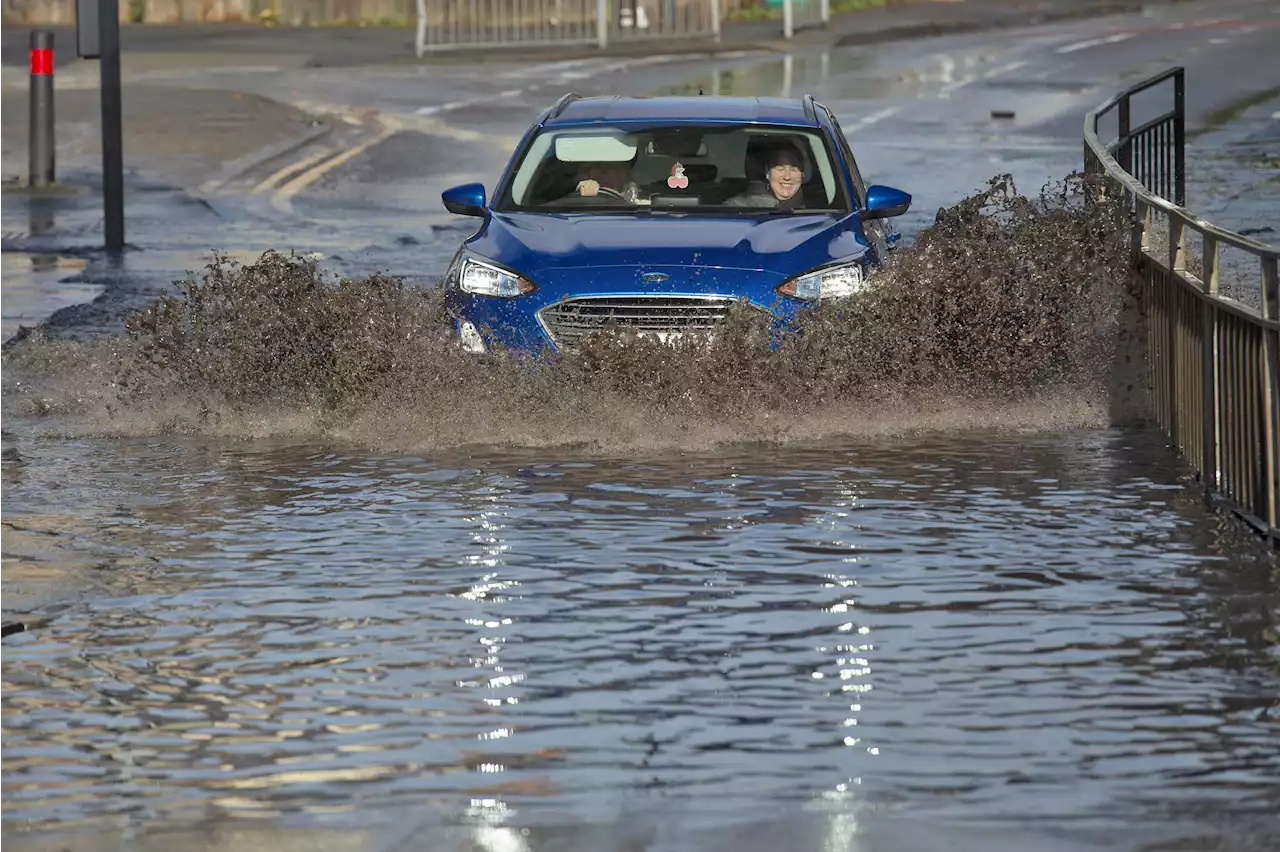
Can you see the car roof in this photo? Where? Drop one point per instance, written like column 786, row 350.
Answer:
column 573, row 109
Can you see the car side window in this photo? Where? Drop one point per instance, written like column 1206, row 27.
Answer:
column 859, row 187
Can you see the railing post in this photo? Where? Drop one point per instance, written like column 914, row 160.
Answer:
column 1177, row 244
column 788, row 19
column 1177, row 265
column 420, row 37
column 1179, row 138
column 602, row 23
column 1271, row 388
column 1141, row 224
column 40, row 159
column 1209, row 366
column 826, row 11
column 715, row 19
column 1124, row 153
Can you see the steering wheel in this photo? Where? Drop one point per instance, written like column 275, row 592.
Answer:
column 613, row 192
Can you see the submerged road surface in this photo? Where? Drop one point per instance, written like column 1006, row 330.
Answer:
column 1023, row 643
column 922, row 636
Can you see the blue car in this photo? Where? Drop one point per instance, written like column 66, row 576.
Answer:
column 657, row 215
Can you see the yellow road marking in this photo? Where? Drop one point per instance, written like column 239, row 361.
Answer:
column 290, row 169
column 316, row 172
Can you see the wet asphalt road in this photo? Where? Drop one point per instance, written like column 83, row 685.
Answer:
column 365, row 196
column 920, row 113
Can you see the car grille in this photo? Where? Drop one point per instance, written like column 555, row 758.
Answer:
column 570, row 320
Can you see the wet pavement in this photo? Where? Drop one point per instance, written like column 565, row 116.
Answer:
column 1236, row 179
column 936, row 117
column 45, row 282
column 951, row 636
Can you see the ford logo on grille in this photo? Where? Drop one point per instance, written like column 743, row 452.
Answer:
column 654, row 277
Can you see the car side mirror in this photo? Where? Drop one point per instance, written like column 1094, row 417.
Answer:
column 465, row 200
column 885, row 202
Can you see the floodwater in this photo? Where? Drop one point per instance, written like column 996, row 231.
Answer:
column 44, row 281
column 1039, row 639
column 657, row 622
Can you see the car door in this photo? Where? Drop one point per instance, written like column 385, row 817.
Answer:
column 880, row 232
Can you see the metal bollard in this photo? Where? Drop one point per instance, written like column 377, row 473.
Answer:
column 41, row 160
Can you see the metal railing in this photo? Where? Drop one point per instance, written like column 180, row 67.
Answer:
column 1213, row 362
column 38, row 12
column 287, row 12
column 798, row 14
column 441, row 24
column 446, row 24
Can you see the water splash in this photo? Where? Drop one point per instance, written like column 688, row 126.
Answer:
column 1005, row 314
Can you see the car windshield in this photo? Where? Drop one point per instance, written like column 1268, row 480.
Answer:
column 718, row 170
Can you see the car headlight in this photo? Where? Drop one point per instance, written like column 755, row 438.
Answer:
column 485, row 279
column 832, row 282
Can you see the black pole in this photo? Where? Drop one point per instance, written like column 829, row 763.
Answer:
column 1180, row 138
column 112, row 125
column 41, row 154
column 1126, row 144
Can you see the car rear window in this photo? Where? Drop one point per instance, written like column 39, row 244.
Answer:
column 721, row 170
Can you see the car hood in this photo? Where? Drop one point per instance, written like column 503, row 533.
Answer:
column 532, row 244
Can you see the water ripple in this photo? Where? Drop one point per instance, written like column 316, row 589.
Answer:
column 975, row 628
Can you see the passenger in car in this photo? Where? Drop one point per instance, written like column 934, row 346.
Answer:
column 782, row 184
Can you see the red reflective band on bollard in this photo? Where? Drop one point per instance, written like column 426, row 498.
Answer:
column 42, row 61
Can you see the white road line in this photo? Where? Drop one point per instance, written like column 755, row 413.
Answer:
column 869, row 120
column 624, row 64
column 450, row 107
column 1094, row 42
column 1275, row 116
column 432, row 110
column 967, row 144
column 551, row 66
column 1004, row 69
column 563, row 76
column 948, row 69
column 946, row 90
